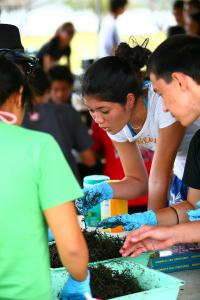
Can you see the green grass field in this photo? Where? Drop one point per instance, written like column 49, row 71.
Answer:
column 84, row 45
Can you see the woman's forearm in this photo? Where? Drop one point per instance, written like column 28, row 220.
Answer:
column 153, row 238
column 167, row 216
column 157, row 195
column 130, row 188
column 135, row 181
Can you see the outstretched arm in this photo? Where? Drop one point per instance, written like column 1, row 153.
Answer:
column 133, row 185
column 48, row 62
column 148, row 238
column 177, row 214
column 135, row 182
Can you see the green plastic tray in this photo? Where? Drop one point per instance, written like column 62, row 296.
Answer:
column 157, row 285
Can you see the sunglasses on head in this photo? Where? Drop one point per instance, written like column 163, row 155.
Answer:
column 28, row 63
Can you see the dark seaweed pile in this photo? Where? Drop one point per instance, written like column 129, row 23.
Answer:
column 101, row 247
column 55, row 261
column 107, row 283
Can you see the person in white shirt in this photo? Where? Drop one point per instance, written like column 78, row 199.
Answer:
column 131, row 113
column 108, row 36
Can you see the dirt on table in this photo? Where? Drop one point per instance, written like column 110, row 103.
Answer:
column 107, row 283
column 101, row 247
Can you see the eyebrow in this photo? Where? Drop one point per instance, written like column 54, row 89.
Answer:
column 97, row 108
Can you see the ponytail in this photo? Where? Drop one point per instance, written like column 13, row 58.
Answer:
column 111, row 78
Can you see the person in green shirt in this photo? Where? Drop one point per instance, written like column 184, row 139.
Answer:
column 37, row 189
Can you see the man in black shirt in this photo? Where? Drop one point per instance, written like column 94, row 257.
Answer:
column 192, row 168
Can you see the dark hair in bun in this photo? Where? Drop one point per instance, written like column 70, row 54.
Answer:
column 111, row 78
column 137, row 56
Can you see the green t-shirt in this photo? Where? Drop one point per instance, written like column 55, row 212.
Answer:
column 34, row 176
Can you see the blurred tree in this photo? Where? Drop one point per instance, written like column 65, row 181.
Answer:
column 87, row 4
column 151, row 4
column 103, row 4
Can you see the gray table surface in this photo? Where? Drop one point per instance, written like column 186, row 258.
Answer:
column 191, row 289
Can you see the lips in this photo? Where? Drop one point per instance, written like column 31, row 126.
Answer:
column 105, row 128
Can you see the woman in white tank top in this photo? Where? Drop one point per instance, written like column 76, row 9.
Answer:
column 129, row 110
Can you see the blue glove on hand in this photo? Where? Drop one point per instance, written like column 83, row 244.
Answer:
column 50, row 235
column 194, row 215
column 76, row 290
column 94, row 195
column 130, row 222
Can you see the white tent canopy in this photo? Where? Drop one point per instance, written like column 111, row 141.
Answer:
column 39, row 19
column 13, row 4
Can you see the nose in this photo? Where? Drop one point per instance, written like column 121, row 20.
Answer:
column 98, row 118
column 58, row 95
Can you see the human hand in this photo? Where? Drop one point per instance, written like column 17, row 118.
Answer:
column 93, row 195
column 148, row 238
column 130, row 222
column 77, row 290
column 194, row 215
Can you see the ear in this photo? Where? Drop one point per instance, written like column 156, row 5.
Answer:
column 18, row 98
column 180, row 79
column 130, row 100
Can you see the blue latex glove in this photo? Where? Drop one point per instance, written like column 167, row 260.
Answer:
column 94, row 195
column 194, row 215
column 76, row 290
column 130, row 222
column 50, row 235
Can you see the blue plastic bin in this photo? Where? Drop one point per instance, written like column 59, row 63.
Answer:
column 156, row 285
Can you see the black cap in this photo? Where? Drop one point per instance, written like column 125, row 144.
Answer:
column 10, row 37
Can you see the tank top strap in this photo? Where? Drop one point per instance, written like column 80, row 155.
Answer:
column 146, row 84
column 131, row 130
column 145, row 101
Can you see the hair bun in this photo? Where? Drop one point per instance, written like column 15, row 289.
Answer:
column 136, row 57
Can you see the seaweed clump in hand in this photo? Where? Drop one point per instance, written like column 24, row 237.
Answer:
column 107, row 283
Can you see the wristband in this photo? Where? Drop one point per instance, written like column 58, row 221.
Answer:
column 174, row 209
